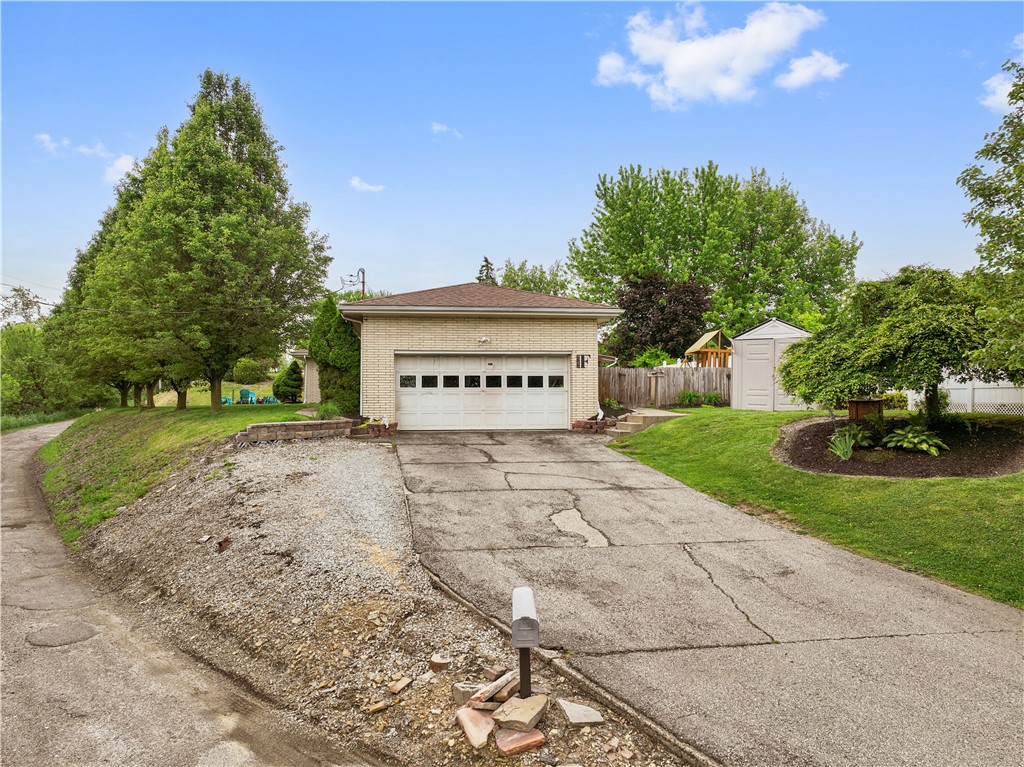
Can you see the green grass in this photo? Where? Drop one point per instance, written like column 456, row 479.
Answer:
column 108, row 459
column 968, row 532
column 12, row 422
column 200, row 395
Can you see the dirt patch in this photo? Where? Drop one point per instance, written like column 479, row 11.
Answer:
column 319, row 603
column 988, row 449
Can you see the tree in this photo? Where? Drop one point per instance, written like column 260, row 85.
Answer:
column 288, row 383
column 554, row 280
column 22, row 304
column 909, row 331
column 752, row 242
column 486, row 274
column 215, row 247
column 995, row 186
column 658, row 312
column 334, row 346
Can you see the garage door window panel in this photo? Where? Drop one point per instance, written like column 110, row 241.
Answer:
column 428, row 382
column 535, row 382
column 471, row 382
column 493, row 382
column 451, row 382
column 407, row 382
column 556, row 382
column 514, row 382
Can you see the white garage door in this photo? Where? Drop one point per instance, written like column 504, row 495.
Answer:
column 482, row 392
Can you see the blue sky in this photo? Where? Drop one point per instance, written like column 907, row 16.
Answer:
column 425, row 136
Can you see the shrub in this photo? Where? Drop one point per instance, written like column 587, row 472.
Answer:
column 713, row 398
column 688, row 398
column 860, row 436
column 877, row 423
column 651, row 357
column 841, row 445
column 611, row 403
column 894, row 400
column 288, row 383
column 248, row 371
column 916, row 438
column 328, row 411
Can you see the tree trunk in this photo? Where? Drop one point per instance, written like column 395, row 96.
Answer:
column 150, row 390
column 137, row 395
column 215, row 394
column 932, row 408
column 123, row 391
column 182, row 400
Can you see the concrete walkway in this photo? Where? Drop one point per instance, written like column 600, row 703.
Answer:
column 756, row 645
column 84, row 683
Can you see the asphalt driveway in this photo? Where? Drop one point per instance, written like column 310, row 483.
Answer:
column 754, row 644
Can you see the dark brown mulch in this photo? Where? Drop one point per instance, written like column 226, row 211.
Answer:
column 994, row 449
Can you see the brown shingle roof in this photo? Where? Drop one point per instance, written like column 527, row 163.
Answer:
column 474, row 295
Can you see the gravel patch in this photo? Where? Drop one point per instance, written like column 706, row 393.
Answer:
column 290, row 567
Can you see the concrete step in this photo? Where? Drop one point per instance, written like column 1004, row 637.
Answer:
column 630, row 427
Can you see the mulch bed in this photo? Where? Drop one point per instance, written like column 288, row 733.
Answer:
column 993, row 450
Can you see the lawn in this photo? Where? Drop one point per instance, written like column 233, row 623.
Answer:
column 200, row 395
column 12, row 422
column 967, row 532
column 108, row 459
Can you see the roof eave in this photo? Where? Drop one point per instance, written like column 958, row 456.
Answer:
column 606, row 314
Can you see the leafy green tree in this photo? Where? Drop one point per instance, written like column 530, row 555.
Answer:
column 215, row 247
column 21, row 304
column 995, row 186
column 553, row 281
column 288, row 383
column 334, row 346
column 753, row 242
column 486, row 274
column 651, row 357
column 660, row 313
column 909, row 331
column 249, row 371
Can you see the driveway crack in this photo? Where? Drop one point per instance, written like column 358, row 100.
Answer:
column 728, row 596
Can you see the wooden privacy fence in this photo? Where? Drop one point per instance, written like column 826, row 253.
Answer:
column 633, row 386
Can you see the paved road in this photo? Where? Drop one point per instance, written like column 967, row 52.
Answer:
column 84, row 684
column 756, row 645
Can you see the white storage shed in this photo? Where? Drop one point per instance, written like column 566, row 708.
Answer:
column 756, row 354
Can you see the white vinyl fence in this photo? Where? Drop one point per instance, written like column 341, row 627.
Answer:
column 978, row 397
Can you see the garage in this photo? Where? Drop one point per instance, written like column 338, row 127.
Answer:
column 482, row 392
column 478, row 356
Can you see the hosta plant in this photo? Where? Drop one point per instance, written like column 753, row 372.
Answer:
column 916, row 438
column 861, row 437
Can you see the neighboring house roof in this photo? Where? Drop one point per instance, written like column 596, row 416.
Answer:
column 477, row 298
column 773, row 328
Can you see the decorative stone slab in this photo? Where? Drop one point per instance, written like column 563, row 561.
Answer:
column 487, row 692
column 512, row 742
column 507, row 691
column 463, row 691
column 579, row 715
column 477, row 725
column 521, row 714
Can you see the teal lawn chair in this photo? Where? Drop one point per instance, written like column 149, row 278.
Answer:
column 270, row 399
column 226, row 401
column 247, row 397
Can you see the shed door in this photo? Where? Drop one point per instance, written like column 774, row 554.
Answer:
column 442, row 392
column 758, row 361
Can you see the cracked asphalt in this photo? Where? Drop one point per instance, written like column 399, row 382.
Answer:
column 756, row 645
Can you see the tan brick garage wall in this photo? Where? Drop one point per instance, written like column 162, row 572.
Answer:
column 381, row 336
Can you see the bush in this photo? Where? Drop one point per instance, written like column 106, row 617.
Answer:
column 688, row 398
column 651, row 358
column 611, row 403
column 328, row 411
column 248, row 371
column 894, row 400
column 288, row 383
column 861, row 437
column 713, row 398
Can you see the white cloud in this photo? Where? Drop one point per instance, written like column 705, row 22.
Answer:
column 1018, row 41
column 678, row 61
column 361, row 186
column 96, row 150
column 810, row 69
column 50, row 145
column 440, row 128
column 997, row 93
column 118, row 168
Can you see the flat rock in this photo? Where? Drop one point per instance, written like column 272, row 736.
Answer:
column 493, row 672
column 521, row 714
column 59, row 636
column 399, row 685
column 477, row 725
column 463, row 691
column 486, row 705
column 507, row 691
column 579, row 715
column 511, row 742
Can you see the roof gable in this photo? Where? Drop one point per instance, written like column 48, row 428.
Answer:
column 773, row 328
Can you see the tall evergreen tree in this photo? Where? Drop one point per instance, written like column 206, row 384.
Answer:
column 486, row 274
column 334, row 346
